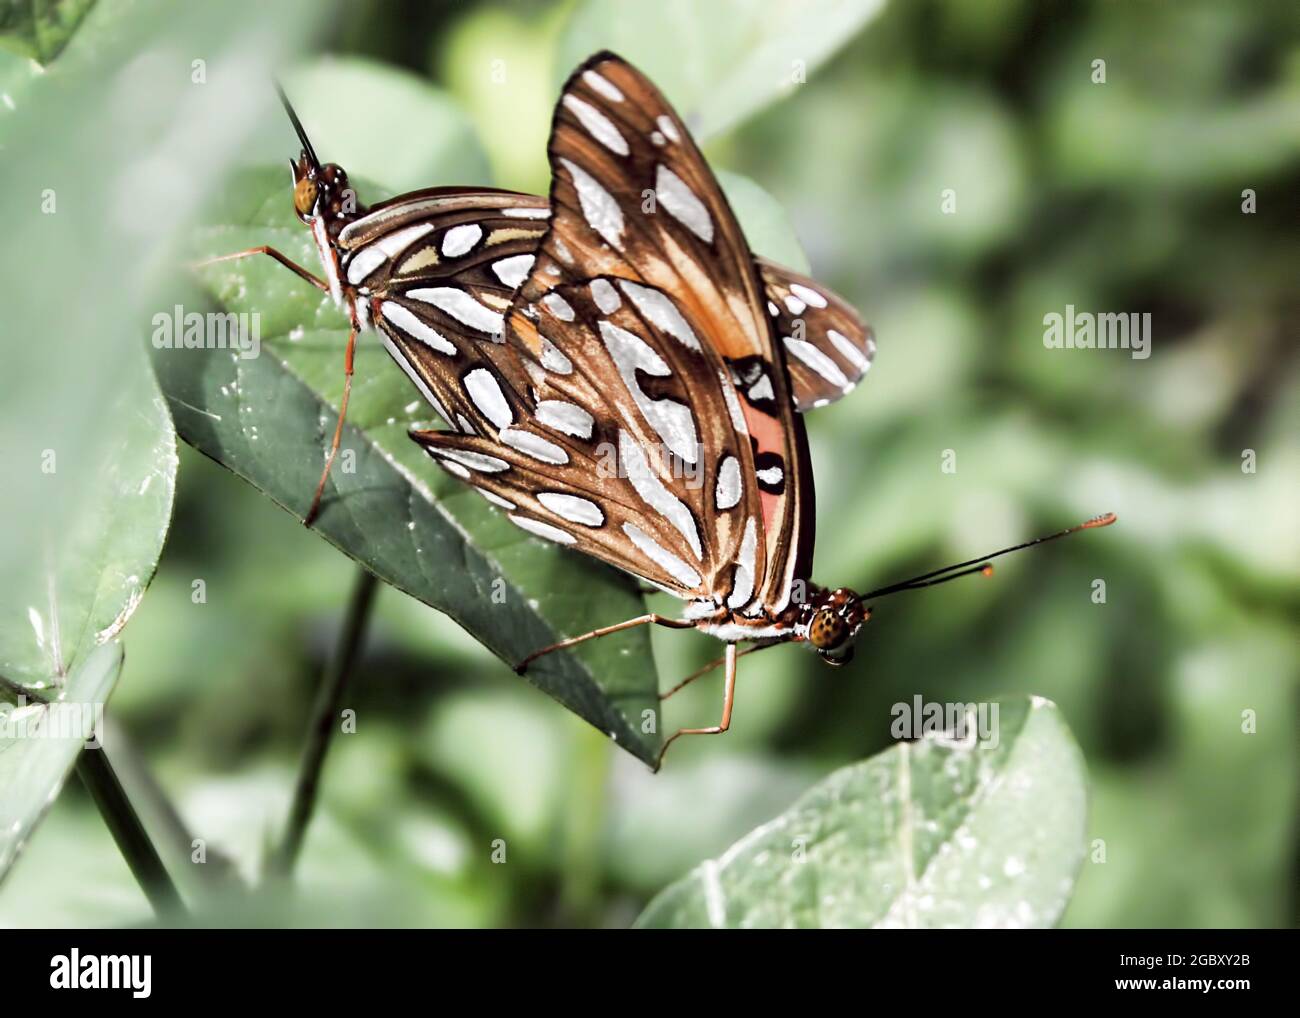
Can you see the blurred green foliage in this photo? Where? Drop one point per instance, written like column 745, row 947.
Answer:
column 1124, row 196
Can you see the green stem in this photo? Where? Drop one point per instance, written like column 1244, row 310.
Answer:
column 324, row 720
column 96, row 772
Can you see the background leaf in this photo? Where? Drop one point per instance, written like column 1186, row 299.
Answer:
column 717, row 62
column 352, row 110
column 40, row 28
column 93, row 572
column 923, row 835
column 34, row 759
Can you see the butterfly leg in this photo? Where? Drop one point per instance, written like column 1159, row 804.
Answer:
column 338, row 427
column 709, row 667
column 640, row 620
column 728, row 700
column 284, row 260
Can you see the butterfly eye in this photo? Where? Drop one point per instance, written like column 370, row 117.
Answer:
column 304, row 196
column 827, row 630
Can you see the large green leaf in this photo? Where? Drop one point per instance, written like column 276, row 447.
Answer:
column 717, row 62
column 927, row 834
column 39, row 744
column 76, row 586
column 355, row 110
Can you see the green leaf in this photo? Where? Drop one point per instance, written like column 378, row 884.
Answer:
column 40, row 28
column 926, row 834
column 78, row 584
column 39, row 743
column 767, row 227
column 269, row 418
column 717, row 62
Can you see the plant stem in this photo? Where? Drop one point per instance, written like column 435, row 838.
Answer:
column 96, row 772
column 324, row 719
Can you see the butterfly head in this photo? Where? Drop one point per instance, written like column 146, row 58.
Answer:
column 321, row 191
column 830, row 622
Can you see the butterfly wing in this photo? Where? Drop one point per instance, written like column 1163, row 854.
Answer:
column 644, row 287
column 626, row 454
column 828, row 348
column 436, row 270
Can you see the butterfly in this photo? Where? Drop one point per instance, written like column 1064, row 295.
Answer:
column 620, row 374
column 643, row 406
column 433, row 273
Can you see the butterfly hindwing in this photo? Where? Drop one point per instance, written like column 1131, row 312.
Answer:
column 827, row 347
column 436, row 270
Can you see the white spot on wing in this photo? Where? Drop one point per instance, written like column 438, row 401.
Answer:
column 665, row 124
column 461, row 239
column 817, row 360
column 605, row 296
column 496, row 499
column 661, row 312
column 553, row 358
column 533, row 445
column 558, row 306
column 473, row 460
column 744, row 584
column 762, row 389
column 514, row 270
column 572, row 508
column 599, row 207
column 406, row 320
column 484, row 389
column 369, row 258
column 650, row 488
column 682, row 203
column 673, row 422
column 848, row 350
column 526, row 213
column 541, row 529
column 603, row 85
column 461, row 306
column 566, row 417
column 597, row 124
column 808, row 295
column 727, row 493
column 662, row 557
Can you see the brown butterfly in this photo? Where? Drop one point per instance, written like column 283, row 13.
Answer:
column 622, row 374
column 643, row 408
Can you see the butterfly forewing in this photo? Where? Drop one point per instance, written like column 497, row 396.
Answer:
column 633, row 202
column 437, row 269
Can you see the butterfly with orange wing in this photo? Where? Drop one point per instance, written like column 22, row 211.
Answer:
column 622, row 375
column 656, row 425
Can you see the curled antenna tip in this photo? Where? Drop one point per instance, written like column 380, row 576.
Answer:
column 1104, row 520
column 988, row 569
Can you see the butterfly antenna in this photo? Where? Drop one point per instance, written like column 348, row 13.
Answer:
column 297, row 125
column 982, row 564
